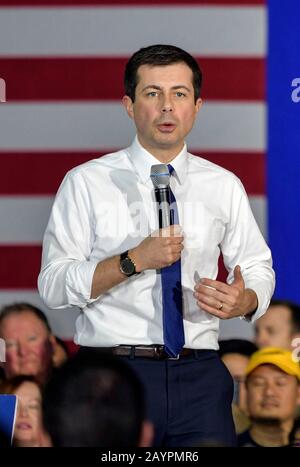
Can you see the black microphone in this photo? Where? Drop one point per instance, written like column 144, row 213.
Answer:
column 160, row 177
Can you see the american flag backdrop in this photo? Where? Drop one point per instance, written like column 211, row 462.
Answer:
column 62, row 62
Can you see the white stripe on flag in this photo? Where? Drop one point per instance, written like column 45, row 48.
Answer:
column 24, row 219
column 219, row 126
column 206, row 31
column 259, row 209
column 62, row 323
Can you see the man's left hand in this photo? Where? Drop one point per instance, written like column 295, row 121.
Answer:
column 225, row 301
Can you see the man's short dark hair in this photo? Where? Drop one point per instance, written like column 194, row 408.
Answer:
column 18, row 308
column 295, row 312
column 240, row 346
column 94, row 399
column 160, row 55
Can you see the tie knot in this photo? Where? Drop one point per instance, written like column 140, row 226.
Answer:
column 171, row 169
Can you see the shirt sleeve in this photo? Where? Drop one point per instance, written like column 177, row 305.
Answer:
column 67, row 272
column 244, row 245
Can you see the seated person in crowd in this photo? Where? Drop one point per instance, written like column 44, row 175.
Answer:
column 28, row 431
column 95, row 399
column 235, row 354
column 279, row 326
column 29, row 342
column 273, row 393
column 60, row 352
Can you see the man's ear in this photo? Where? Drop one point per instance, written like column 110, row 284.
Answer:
column 128, row 104
column 147, row 435
column 199, row 103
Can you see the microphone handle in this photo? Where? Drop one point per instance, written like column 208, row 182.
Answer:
column 162, row 196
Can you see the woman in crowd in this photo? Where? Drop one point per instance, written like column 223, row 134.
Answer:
column 28, row 430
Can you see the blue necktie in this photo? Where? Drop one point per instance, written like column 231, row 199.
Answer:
column 172, row 295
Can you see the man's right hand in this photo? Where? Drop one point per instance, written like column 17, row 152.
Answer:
column 162, row 248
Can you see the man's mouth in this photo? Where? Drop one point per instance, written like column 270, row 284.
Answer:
column 166, row 127
column 269, row 404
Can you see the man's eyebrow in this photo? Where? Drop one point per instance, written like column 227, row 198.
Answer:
column 151, row 86
column 258, row 377
column 181, row 86
column 159, row 88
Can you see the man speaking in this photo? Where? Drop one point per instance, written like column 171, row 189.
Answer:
column 149, row 294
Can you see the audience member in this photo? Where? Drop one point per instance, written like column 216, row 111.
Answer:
column 29, row 342
column 96, row 400
column 272, row 395
column 235, row 354
column 28, row 431
column 279, row 326
column 60, row 352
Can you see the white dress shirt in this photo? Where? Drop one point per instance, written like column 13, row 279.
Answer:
column 107, row 206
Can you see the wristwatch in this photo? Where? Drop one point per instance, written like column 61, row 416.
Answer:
column 127, row 266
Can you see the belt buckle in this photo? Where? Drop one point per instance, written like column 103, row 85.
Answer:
column 174, row 358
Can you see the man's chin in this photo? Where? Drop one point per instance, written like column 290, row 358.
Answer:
column 30, row 370
column 266, row 420
column 169, row 142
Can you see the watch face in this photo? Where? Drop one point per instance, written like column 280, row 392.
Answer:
column 127, row 266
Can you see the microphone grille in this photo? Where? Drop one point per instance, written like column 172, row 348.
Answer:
column 160, row 175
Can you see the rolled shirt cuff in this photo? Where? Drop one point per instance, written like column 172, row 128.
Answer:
column 79, row 280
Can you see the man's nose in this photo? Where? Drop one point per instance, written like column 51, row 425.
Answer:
column 22, row 349
column 261, row 339
column 167, row 109
column 269, row 389
column 167, row 105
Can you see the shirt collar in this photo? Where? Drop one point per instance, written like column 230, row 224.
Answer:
column 143, row 160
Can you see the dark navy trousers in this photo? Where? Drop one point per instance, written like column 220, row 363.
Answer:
column 188, row 400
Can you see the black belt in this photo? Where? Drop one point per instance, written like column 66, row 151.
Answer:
column 156, row 352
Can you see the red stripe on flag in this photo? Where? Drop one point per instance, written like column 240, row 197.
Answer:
column 32, row 79
column 222, row 273
column 41, row 173
column 19, row 266
column 37, row 173
column 249, row 167
column 85, row 3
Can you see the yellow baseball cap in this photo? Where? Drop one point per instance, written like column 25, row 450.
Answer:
column 281, row 358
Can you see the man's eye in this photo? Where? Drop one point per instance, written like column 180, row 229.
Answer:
column 258, row 383
column 152, row 94
column 32, row 338
column 11, row 345
column 281, row 383
column 180, row 94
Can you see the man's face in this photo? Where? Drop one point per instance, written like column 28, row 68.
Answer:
column 272, row 394
column 28, row 345
column 164, row 110
column 274, row 328
column 236, row 364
